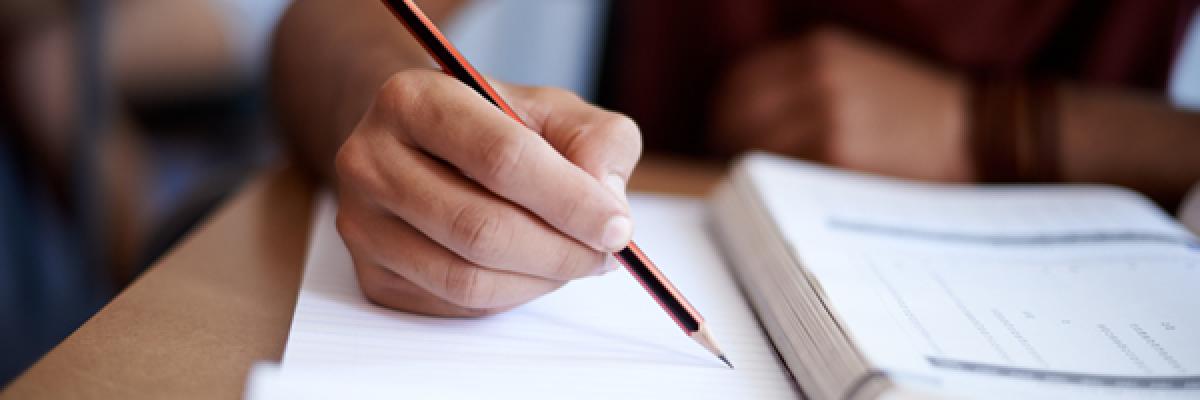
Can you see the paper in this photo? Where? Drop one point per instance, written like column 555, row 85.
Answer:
column 600, row 337
column 1081, row 291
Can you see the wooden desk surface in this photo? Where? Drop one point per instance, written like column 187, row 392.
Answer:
column 195, row 322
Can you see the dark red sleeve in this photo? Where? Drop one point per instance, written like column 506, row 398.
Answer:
column 664, row 57
column 1122, row 42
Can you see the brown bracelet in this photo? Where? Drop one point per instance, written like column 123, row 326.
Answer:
column 1013, row 135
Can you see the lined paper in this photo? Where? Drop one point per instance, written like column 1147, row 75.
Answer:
column 597, row 337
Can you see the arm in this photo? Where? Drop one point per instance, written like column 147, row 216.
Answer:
column 329, row 59
column 1131, row 139
column 853, row 102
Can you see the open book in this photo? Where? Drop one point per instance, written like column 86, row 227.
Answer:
column 816, row 281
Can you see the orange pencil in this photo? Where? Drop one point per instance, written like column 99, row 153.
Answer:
column 653, row 280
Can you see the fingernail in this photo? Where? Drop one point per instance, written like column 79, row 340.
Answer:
column 616, row 233
column 610, row 264
column 617, row 184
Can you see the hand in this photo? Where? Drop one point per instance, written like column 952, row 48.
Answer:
column 449, row 207
column 836, row 97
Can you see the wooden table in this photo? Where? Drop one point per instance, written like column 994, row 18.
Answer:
column 194, row 323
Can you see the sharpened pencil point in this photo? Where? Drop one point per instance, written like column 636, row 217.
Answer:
column 705, row 339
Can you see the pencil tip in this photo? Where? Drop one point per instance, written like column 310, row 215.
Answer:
column 705, row 339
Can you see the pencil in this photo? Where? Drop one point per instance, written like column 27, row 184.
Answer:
column 632, row 257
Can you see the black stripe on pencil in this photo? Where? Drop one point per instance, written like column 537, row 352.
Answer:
column 646, row 273
column 669, row 298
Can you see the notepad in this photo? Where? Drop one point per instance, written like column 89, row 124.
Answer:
column 599, row 337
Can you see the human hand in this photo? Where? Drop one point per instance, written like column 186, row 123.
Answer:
column 449, row 207
column 839, row 98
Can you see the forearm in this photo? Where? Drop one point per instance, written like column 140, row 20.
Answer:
column 329, row 59
column 1128, row 138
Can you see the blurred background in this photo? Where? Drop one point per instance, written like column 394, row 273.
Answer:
column 123, row 122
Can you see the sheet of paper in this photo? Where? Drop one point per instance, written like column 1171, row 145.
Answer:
column 600, row 337
column 1039, row 291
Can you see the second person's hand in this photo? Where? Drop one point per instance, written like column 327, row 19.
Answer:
column 837, row 97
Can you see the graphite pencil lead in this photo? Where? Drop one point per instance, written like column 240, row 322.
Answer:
column 705, row 339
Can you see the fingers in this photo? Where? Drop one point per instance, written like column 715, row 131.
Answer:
column 377, row 240
column 607, row 145
column 448, row 120
column 456, row 213
column 449, row 207
column 391, row 290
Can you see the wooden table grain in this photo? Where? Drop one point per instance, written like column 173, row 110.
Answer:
column 195, row 322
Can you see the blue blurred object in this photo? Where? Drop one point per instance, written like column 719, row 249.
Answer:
column 48, row 277
column 53, row 256
column 46, row 287
column 534, row 42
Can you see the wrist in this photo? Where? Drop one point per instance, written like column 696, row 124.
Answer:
column 1013, row 131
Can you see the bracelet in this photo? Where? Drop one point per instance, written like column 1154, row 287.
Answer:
column 1013, row 131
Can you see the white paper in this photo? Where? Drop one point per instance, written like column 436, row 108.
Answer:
column 600, row 337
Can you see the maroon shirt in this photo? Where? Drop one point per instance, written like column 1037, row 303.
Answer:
column 664, row 57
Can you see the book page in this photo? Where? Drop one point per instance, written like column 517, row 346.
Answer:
column 600, row 337
column 1047, row 291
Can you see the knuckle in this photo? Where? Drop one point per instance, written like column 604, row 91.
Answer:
column 350, row 163
column 349, row 228
column 572, row 263
column 374, row 290
column 356, row 170
column 501, row 157
column 400, row 91
column 553, row 94
column 611, row 132
column 368, row 274
column 619, row 125
column 469, row 288
column 623, row 129
column 479, row 234
column 570, row 208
